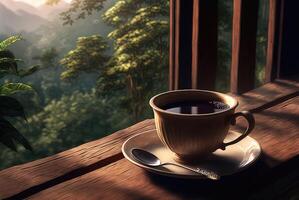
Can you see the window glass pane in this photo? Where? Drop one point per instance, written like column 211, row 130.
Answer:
column 225, row 12
column 261, row 42
column 90, row 73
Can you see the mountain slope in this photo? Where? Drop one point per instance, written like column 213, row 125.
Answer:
column 20, row 20
column 51, row 12
column 44, row 11
column 19, row 5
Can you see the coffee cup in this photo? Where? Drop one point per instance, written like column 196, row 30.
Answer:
column 192, row 135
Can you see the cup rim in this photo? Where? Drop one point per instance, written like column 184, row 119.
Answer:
column 152, row 104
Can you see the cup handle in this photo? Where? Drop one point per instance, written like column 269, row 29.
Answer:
column 250, row 125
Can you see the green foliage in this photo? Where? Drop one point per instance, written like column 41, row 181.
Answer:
column 48, row 58
column 88, row 56
column 79, row 9
column 261, row 42
column 8, row 62
column 12, row 88
column 225, row 10
column 9, row 41
column 62, row 119
column 65, row 123
column 140, row 38
column 10, row 107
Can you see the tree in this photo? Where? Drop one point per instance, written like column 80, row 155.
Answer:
column 48, row 58
column 79, row 9
column 49, row 86
column 225, row 9
column 10, row 107
column 141, row 49
column 139, row 62
column 261, row 42
column 88, row 56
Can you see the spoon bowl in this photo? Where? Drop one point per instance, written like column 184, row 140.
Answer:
column 146, row 157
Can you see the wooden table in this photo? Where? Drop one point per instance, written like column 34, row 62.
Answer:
column 98, row 170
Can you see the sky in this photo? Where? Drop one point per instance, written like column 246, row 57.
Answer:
column 36, row 2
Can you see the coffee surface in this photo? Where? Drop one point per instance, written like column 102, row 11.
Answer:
column 196, row 107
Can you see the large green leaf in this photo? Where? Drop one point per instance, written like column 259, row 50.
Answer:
column 8, row 66
column 11, row 88
column 11, row 132
column 11, row 107
column 8, row 61
column 9, row 41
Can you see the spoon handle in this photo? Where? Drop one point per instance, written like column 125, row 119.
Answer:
column 207, row 173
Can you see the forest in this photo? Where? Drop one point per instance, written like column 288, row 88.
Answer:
column 86, row 69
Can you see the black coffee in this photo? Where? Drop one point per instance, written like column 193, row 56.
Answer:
column 196, row 107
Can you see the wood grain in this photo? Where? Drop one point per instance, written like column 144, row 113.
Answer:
column 59, row 167
column 204, row 44
column 268, row 95
column 276, row 131
column 244, row 46
column 172, row 28
column 131, row 182
column 38, row 175
column 120, row 180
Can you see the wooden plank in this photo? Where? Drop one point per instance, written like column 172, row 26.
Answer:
column 274, row 40
column 180, row 44
column 119, row 181
column 37, row 175
column 204, row 45
column 62, row 166
column 276, row 131
column 172, row 29
column 244, row 45
column 268, row 95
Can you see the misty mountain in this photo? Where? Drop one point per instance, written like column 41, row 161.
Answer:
column 52, row 12
column 19, row 5
column 20, row 20
column 44, row 11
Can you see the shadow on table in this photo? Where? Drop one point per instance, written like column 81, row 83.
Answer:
column 249, row 184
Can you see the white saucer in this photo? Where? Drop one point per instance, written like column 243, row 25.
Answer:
column 234, row 159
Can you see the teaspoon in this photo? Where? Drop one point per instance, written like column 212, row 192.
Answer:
column 151, row 160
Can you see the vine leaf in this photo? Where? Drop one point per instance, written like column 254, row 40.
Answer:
column 9, row 41
column 11, row 88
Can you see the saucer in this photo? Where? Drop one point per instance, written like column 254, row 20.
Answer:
column 233, row 159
